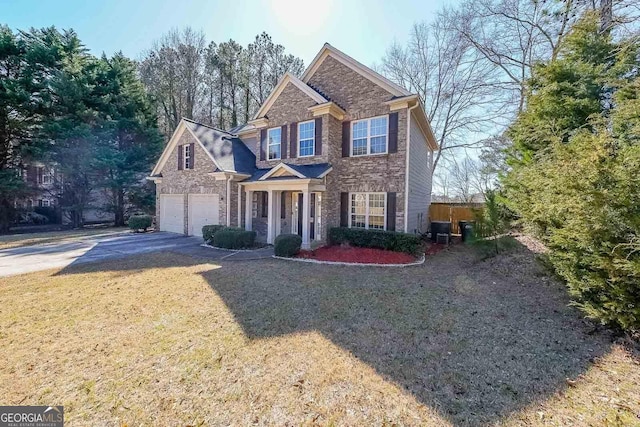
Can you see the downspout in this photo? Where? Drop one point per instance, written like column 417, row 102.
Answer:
column 229, row 200
column 406, row 170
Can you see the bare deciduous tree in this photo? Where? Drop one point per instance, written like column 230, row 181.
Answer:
column 454, row 82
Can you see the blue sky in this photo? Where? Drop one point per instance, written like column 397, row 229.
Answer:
column 362, row 29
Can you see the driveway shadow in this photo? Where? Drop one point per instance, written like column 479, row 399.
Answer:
column 476, row 341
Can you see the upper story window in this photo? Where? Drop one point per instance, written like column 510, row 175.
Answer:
column 306, row 138
column 44, row 175
column 369, row 136
column 187, row 156
column 274, row 136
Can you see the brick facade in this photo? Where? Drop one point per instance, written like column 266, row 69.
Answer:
column 191, row 181
column 360, row 98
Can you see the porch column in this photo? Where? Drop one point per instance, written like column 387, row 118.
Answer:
column 248, row 208
column 271, row 214
column 306, row 219
column 276, row 219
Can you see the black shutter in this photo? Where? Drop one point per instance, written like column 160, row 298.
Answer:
column 344, row 209
column 283, row 205
column 264, row 206
column 393, row 133
column 263, row 144
column 283, row 142
column 346, row 139
column 180, row 157
column 318, row 136
column 391, row 211
column 192, row 153
column 294, row 140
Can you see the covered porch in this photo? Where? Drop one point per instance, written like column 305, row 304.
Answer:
column 286, row 200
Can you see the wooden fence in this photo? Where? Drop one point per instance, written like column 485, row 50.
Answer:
column 453, row 212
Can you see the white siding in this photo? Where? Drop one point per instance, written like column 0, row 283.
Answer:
column 420, row 164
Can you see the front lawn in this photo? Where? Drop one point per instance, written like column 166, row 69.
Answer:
column 166, row 339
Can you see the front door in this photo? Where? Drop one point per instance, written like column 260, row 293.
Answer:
column 314, row 213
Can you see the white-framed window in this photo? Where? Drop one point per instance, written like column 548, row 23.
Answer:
column 368, row 210
column 47, row 176
column 369, row 136
column 274, row 136
column 307, row 138
column 186, row 156
column 45, row 203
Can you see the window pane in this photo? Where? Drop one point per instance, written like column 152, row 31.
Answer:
column 359, row 147
column 360, row 129
column 376, row 222
column 306, row 147
column 376, row 204
column 358, row 204
column 379, row 126
column 274, row 143
column 357, row 221
column 307, row 130
column 378, row 144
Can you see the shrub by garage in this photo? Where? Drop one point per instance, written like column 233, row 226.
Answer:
column 208, row 231
column 234, row 238
column 287, row 245
column 389, row 240
column 140, row 223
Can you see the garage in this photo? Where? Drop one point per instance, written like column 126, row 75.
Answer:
column 172, row 213
column 204, row 209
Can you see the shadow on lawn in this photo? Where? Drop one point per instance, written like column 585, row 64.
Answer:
column 476, row 341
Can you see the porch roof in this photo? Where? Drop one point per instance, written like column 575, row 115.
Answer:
column 310, row 171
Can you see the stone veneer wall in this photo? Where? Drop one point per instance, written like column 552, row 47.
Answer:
column 360, row 98
column 191, row 181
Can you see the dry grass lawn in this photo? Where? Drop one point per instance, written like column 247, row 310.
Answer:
column 165, row 339
column 30, row 239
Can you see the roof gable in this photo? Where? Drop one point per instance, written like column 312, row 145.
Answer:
column 328, row 50
column 227, row 152
column 286, row 79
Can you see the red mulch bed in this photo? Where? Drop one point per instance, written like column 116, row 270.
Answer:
column 357, row 255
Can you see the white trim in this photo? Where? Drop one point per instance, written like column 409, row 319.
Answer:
column 314, row 139
column 368, row 153
column 288, row 78
column 177, row 134
column 229, row 202
column 366, row 215
column 323, row 174
column 279, row 166
column 328, row 50
column 328, row 108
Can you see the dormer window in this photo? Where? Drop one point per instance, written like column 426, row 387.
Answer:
column 369, row 136
column 306, row 138
column 187, row 156
column 273, row 144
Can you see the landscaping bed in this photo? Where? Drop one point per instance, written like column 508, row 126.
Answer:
column 357, row 255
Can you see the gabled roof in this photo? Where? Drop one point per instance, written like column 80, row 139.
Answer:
column 227, row 152
column 328, row 50
column 286, row 79
column 311, row 171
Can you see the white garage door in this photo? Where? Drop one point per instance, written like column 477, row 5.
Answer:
column 172, row 213
column 204, row 209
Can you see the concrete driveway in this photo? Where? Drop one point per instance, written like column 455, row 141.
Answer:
column 96, row 248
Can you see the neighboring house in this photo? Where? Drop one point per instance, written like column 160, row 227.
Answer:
column 44, row 193
column 341, row 146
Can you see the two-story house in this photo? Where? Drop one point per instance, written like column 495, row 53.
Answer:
column 340, row 146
